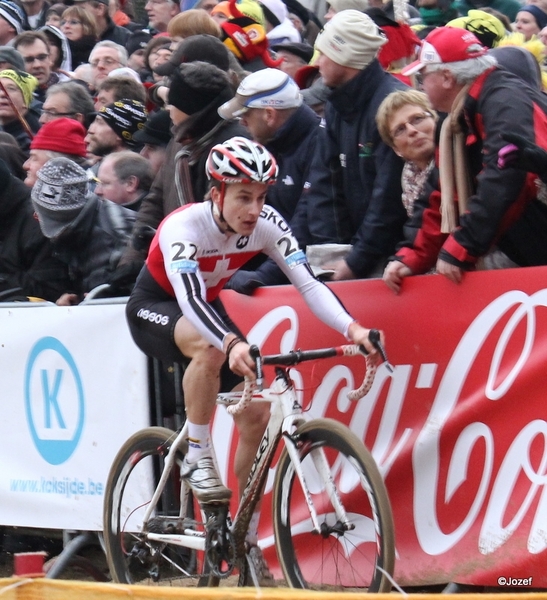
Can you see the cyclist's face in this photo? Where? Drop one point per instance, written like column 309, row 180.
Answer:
column 242, row 205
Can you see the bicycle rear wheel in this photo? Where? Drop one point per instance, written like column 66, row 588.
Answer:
column 131, row 557
column 359, row 557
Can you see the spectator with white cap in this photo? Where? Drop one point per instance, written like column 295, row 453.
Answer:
column 354, row 189
column 269, row 104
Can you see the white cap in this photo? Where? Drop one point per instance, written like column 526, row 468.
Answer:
column 267, row 88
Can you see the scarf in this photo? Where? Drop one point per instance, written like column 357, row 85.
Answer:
column 413, row 180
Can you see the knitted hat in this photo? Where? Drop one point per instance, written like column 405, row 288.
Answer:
column 350, row 39
column 446, row 45
column 125, row 118
column 137, row 41
column 488, row 28
column 203, row 47
column 59, row 195
column 196, row 85
column 537, row 13
column 13, row 14
column 26, row 83
column 11, row 56
column 61, row 135
column 267, row 88
column 157, row 130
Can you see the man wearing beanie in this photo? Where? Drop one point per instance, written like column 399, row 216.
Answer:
column 114, row 127
column 15, row 117
column 196, row 91
column 354, row 189
column 88, row 233
column 61, row 137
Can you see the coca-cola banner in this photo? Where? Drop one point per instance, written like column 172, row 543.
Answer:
column 458, row 429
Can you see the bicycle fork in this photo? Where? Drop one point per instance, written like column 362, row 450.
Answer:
column 320, row 462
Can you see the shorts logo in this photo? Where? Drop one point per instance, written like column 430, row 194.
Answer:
column 153, row 317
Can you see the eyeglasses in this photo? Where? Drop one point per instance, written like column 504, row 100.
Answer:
column 54, row 114
column 39, row 57
column 158, row 2
column 415, row 121
column 421, row 75
column 70, row 22
column 107, row 62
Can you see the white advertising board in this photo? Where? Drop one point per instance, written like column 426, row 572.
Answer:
column 73, row 389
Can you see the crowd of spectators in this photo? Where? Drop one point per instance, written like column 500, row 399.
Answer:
column 395, row 164
column 394, row 127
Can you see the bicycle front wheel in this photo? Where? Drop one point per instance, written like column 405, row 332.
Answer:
column 131, row 557
column 358, row 554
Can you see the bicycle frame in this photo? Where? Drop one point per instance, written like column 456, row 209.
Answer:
column 286, row 416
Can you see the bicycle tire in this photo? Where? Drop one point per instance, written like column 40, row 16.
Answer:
column 356, row 560
column 129, row 555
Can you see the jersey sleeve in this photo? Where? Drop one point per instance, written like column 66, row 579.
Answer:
column 282, row 247
column 180, row 251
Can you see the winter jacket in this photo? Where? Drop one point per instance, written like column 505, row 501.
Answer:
column 26, row 256
column 502, row 197
column 504, row 209
column 93, row 243
column 115, row 33
column 354, row 190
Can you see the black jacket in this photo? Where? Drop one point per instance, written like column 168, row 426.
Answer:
column 115, row 33
column 354, row 193
column 26, row 256
column 93, row 244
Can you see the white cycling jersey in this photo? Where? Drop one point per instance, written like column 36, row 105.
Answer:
column 191, row 259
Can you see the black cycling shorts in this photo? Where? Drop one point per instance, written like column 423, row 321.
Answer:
column 152, row 314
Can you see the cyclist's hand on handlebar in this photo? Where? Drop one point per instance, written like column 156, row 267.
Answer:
column 360, row 335
column 240, row 360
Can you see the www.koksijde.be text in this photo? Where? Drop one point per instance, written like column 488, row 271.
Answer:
column 66, row 486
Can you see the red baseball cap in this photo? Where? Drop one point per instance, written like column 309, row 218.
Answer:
column 446, row 45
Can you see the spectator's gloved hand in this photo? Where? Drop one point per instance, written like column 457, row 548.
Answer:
column 124, row 277
column 243, row 282
column 522, row 154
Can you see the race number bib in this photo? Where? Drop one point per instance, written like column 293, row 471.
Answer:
column 182, row 258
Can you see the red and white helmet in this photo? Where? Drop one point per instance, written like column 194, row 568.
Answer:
column 239, row 160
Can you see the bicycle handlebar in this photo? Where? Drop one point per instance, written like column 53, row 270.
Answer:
column 298, row 356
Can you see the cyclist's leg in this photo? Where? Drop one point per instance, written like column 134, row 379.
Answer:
column 251, row 424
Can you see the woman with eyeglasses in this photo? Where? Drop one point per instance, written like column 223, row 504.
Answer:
column 407, row 123
column 80, row 28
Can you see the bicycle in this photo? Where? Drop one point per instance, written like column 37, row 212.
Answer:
column 328, row 494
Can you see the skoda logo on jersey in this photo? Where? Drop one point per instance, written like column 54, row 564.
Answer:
column 54, row 400
column 242, row 242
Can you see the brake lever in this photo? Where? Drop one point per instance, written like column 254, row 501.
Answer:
column 374, row 339
column 254, row 351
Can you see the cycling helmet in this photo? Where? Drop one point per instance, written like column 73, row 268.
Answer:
column 239, row 160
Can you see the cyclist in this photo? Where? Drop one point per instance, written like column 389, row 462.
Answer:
column 175, row 313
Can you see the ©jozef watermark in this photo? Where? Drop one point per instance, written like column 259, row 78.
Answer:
column 515, row 581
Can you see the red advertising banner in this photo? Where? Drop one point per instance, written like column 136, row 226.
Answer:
column 459, row 429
